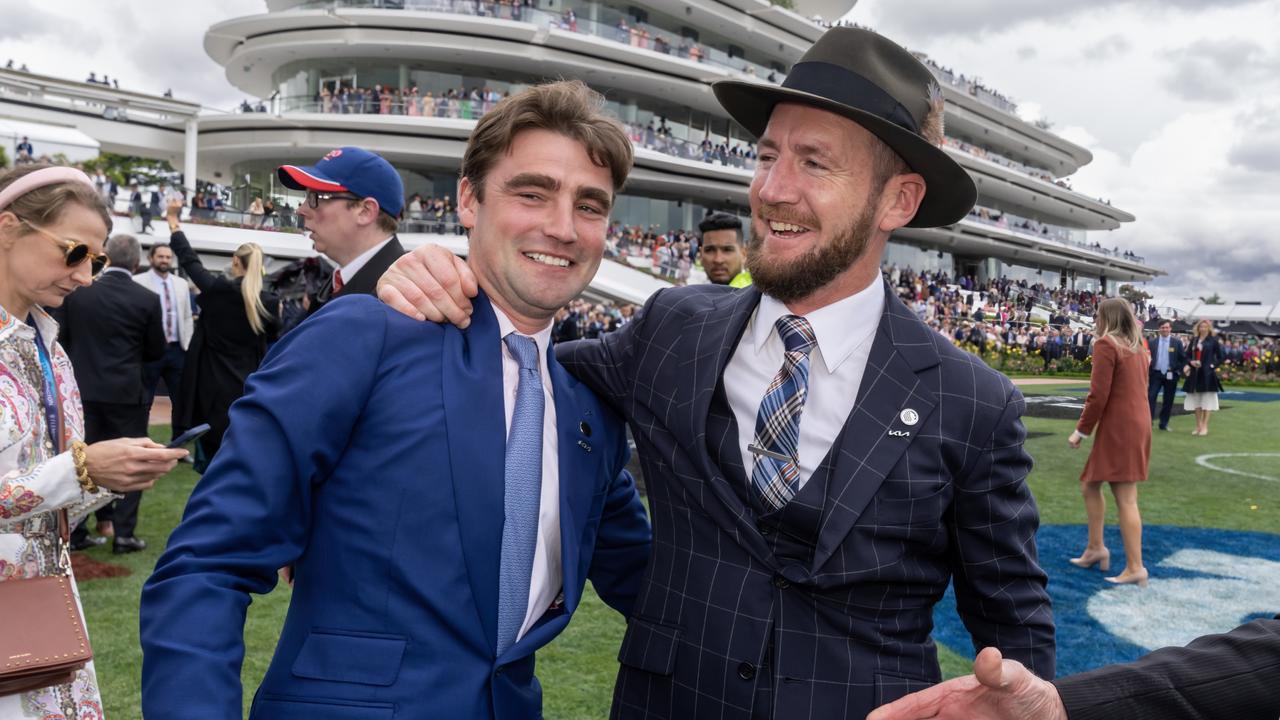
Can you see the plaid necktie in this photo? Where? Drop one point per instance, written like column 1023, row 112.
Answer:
column 523, row 493
column 776, row 474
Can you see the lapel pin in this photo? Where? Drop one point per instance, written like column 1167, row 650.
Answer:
column 909, row 417
column 584, row 445
column 899, row 433
column 584, row 428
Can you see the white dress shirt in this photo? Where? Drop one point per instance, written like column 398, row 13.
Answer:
column 844, row 331
column 548, row 572
column 350, row 269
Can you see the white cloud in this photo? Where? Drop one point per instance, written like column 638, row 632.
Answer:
column 1176, row 101
column 147, row 45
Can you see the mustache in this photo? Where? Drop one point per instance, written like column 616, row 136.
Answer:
column 787, row 214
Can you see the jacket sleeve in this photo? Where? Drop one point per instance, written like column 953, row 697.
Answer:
column 190, row 261
column 251, row 512
column 1000, row 587
column 623, row 542
column 1104, row 365
column 1233, row 675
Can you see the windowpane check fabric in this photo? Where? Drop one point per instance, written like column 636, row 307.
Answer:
column 523, row 491
column 774, row 479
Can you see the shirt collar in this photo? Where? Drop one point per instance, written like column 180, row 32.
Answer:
column 350, row 269
column 840, row 328
column 542, row 337
column 116, row 270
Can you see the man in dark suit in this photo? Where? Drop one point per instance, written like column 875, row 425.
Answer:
column 1232, row 676
column 442, row 495
column 796, row 564
column 352, row 209
column 111, row 329
column 1167, row 358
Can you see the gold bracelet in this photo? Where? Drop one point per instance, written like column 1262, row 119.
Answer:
column 82, row 466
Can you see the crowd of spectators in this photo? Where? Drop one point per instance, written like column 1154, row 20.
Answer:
column 105, row 81
column 1009, row 221
column 669, row 254
column 581, row 319
column 972, row 86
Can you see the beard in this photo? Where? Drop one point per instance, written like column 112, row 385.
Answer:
column 817, row 267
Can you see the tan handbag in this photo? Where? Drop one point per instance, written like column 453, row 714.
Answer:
column 45, row 643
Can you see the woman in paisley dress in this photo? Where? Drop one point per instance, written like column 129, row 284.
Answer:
column 53, row 225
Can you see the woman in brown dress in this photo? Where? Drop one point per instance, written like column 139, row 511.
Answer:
column 1117, row 408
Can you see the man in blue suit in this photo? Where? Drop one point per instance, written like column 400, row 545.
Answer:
column 1167, row 358
column 821, row 464
column 441, row 494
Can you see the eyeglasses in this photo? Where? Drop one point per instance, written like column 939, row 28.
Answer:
column 314, row 198
column 74, row 252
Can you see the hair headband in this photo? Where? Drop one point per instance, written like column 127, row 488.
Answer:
column 41, row 178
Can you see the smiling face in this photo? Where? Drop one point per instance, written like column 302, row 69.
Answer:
column 538, row 236
column 34, row 269
column 161, row 259
column 820, row 199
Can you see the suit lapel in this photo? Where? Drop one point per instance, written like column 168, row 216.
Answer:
column 477, row 451
column 718, row 337
column 876, row 434
column 580, row 472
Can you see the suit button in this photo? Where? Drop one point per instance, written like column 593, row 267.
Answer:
column 746, row 671
column 780, row 582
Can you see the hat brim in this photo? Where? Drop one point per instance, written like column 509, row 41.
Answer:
column 307, row 178
column 950, row 193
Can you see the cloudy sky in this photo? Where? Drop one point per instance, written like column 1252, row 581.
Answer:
column 1179, row 100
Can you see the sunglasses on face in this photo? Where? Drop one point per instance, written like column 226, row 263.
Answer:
column 74, row 252
column 314, row 198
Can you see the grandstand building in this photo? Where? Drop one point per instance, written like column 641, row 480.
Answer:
column 312, row 68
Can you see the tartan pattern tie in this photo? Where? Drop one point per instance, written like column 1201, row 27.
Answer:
column 774, row 479
column 523, row 492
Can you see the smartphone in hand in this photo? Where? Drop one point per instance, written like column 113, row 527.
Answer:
column 188, row 436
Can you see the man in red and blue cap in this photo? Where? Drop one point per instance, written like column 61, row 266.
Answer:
column 352, row 209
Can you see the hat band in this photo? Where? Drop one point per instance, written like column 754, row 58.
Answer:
column 847, row 87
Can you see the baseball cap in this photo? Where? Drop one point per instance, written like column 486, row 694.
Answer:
column 350, row 169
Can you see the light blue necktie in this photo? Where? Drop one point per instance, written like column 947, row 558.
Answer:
column 776, row 475
column 523, row 494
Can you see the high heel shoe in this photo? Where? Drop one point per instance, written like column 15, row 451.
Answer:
column 1126, row 578
column 1101, row 558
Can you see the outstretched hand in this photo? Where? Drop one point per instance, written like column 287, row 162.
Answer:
column 998, row 690
column 430, row 283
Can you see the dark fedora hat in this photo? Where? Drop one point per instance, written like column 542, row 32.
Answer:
column 881, row 86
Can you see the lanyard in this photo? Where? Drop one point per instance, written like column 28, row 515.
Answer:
column 50, row 390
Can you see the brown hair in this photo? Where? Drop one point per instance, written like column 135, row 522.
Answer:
column 567, row 107
column 386, row 223
column 45, row 205
column 1116, row 320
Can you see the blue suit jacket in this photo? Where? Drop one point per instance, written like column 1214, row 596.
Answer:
column 911, row 505
column 368, row 452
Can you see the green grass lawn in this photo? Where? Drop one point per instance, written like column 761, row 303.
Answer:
column 577, row 670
